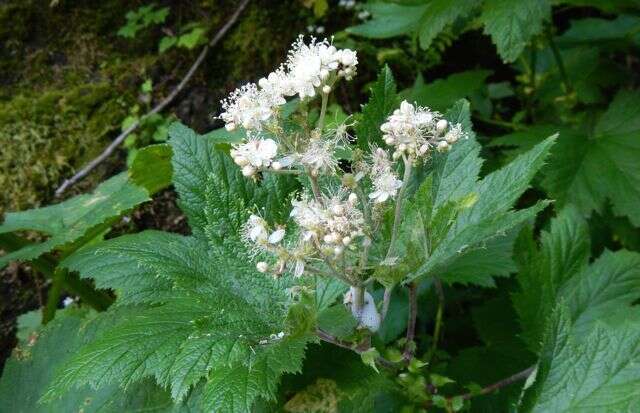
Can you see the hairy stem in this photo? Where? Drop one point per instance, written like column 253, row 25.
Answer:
column 357, row 295
column 398, row 208
column 411, row 324
column 315, row 187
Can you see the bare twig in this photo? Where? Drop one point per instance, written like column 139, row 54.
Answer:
column 158, row 108
column 411, row 327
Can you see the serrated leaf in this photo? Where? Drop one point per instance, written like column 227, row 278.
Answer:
column 596, row 373
column 484, row 222
column 151, row 168
column 440, row 13
column 70, row 220
column 587, row 172
column 512, row 23
column 382, row 102
column 29, row 371
column 601, row 292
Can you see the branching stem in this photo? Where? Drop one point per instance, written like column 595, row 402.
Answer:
column 324, row 336
column 522, row 375
column 438, row 322
column 559, row 62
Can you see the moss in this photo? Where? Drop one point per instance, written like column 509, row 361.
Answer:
column 45, row 137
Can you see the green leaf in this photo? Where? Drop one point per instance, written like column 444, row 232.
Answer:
column 587, row 31
column 597, row 373
column 443, row 93
column 71, row 220
column 191, row 39
column 166, row 43
column 235, row 388
column 602, row 292
column 382, row 102
column 389, row 20
column 440, row 13
column 589, row 171
column 512, row 23
column 337, row 321
column 33, row 364
column 151, row 168
column 482, row 224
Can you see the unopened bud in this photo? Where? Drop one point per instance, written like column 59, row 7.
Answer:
column 441, row 125
column 230, row 126
column 353, row 198
column 443, row 146
column 241, row 160
column 276, row 166
column 348, row 180
column 338, row 250
column 346, row 240
column 262, row 266
column 326, row 89
column 248, row 170
column 389, row 140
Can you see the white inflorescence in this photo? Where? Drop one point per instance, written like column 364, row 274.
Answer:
column 308, row 67
column 414, row 130
column 330, row 226
column 385, row 182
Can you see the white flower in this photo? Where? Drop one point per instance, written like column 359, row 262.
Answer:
column 414, row 130
column 255, row 230
column 258, row 153
column 385, row 182
column 319, row 156
column 249, row 107
column 386, row 186
column 276, row 236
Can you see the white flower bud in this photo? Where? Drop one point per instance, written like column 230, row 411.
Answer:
column 326, row 89
column 441, row 125
column 346, row 241
column 248, row 170
column 423, row 149
column 338, row 250
column 397, row 155
column 262, row 266
column 241, row 160
column 443, row 146
column 402, row 147
column 389, row 140
column 230, row 127
column 276, row 166
column 353, row 198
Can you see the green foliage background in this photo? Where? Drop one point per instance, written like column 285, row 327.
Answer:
column 532, row 225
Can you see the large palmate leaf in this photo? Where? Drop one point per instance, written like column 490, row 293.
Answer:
column 71, row 220
column 558, row 270
column 587, row 171
column 440, row 13
column 192, row 309
column 33, row 364
column 465, row 225
column 512, row 23
column 389, row 20
column 382, row 102
column 596, row 373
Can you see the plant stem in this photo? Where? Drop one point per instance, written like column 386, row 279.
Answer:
column 53, row 297
column 438, row 325
column 559, row 62
column 326, row 337
column 398, row 208
column 522, row 375
column 323, row 111
column 315, row 187
column 357, row 295
column 386, row 300
column 411, row 325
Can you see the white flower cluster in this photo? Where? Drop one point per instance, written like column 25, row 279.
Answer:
column 415, row 130
column 254, row 154
column 308, row 67
column 256, row 234
column 385, row 182
column 331, row 225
